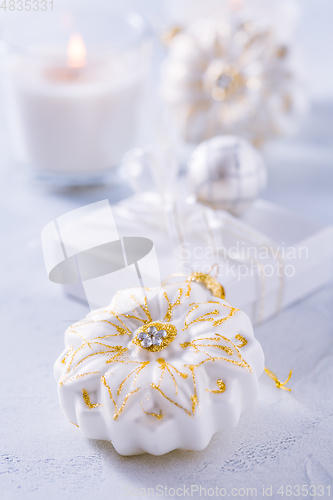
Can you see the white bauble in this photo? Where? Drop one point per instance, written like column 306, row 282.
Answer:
column 231, row 72
column 169, row 374
column 227, row 173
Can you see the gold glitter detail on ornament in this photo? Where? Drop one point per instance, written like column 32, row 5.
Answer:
column 154, row 386
column 66, row 355
column 117, row 411
column 121, row 330
column 167, row 366
column 194, row 397
column 118, row 349
column 156, row 415
column 282, row 52
column 86, row 399
column 278, row 383
column 217, row 338
column 168, row 314
column 144, row 308
column 242, row 340
column 233, row 310
column 220, row 385
column 64, row 379
column 206, row 279
column 170, row 337
column 227, row 349
column 73, row 423
column 203, row 317
column 137, row 370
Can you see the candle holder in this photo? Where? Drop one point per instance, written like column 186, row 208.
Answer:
column 73, row 88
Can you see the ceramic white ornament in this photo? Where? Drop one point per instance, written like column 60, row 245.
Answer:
column 179, row 366
column 233, row 74
column 227, row 173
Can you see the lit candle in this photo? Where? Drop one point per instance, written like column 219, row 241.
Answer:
column 74, row 117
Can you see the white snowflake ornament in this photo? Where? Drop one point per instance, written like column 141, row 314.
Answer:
column 178, row 366
column 232, row 75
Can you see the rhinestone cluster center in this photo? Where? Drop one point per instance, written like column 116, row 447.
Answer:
column 155, row 336
column 152, row 336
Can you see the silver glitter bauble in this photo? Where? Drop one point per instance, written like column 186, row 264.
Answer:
column 227, row 172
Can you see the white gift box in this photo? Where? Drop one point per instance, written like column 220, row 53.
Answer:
column 307, row 264
column 268, row 259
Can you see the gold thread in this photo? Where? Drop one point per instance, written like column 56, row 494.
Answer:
column 86, row 399
column 278, row 383
column 221, row 386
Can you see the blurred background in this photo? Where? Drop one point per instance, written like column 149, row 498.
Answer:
column 300, row 167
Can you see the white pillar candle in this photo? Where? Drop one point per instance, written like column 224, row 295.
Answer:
column 74, row 116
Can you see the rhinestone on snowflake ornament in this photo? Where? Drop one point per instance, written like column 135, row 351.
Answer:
column 156, row 336
column 181, row 364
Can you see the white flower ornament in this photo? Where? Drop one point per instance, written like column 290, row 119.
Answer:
column 232, row 76
column 178, row 366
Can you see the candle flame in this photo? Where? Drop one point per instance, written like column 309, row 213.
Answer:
column 236, row 4
column 76, row 52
